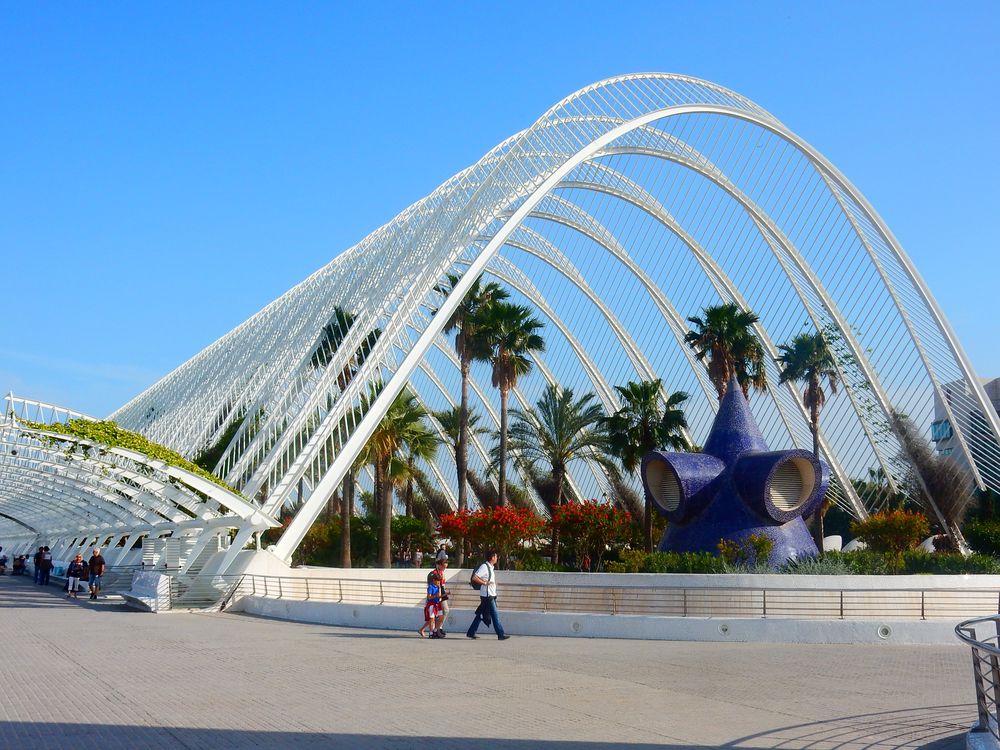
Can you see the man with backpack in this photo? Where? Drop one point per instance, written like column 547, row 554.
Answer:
column 485, row 578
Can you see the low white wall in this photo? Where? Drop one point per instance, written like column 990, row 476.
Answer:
column 408, row 619
column 396, row 616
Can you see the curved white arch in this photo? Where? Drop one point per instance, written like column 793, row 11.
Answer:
column 387, row 281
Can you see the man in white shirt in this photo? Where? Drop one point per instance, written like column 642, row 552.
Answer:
column 485, row 576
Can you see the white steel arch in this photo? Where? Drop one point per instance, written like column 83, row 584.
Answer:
column 701, row 193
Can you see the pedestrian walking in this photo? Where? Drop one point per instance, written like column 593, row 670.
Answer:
column 46, row 566
column 432, row 610
column 437, row 576
column 37, row 561
column 485, row 578
column 96, row 566
column 442, row 553
column 76, row 570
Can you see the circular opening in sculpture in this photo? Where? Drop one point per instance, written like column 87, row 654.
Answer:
column 792, row 484
column 663, row 485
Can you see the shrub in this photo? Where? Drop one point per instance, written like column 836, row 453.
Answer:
column 868, row 562
column 502, row 529
column 637, row 561
column 824, row 565
column 893, row 532
column 591, row 527
column 530, row 560
column 918, row 561
column 750, row 552
column 983, row 536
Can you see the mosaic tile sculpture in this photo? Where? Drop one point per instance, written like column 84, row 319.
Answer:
column 736, row 487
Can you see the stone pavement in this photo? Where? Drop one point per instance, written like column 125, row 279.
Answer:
column 77, row 675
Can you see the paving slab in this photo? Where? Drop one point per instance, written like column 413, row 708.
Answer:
column 79, row 675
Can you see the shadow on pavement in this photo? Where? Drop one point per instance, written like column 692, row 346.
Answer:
column 43, row 736
column 21, row 592
column 931, row 728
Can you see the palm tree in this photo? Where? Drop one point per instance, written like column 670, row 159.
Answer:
column 725, row 335
column 807, row 359
column 402, row 427
column 450, row 421
column 558, row 430
column 347, row 490
column 468, row 347
column 403, row 469
column 511, row 334
column 646, row 423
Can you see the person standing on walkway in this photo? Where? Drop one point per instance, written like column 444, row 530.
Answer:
column 437, row 576
column 485, row 577
column 76, row 570
column 46, row 566
column 96, row 572
column 37, row 560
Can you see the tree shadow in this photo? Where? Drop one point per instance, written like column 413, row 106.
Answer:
column 929, row 727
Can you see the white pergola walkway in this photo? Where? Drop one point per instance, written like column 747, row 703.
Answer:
column 133, row 680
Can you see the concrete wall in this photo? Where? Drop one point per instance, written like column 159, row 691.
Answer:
column 891, row 612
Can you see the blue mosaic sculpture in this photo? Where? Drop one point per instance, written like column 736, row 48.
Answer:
column 736, row 487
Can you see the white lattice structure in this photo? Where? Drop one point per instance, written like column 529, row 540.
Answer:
column 625, row 208
column 72, row 494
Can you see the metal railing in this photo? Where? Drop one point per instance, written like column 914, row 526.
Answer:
column 983, row 636
column 662, row 601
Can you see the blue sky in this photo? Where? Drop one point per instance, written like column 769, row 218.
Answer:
column 169, row 169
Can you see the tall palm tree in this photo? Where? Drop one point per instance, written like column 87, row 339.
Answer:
column 403, row 427
column 347, row 491
column 645, row 423
column 511, row 334
column 559, row 429
column 468, row 347
column 724, row 334
column 807, row 359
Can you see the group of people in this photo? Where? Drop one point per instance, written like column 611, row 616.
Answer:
column 436, row 608
column 91, row 571
column 77, row 572
column 19, row 568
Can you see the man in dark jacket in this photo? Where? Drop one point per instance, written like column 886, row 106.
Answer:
column 96, row 573
column 46, row 566
column 37, row 560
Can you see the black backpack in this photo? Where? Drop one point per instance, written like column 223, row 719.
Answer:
column 472, row 583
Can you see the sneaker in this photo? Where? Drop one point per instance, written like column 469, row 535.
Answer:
column 503, row 637
column 443, row 634
column 473, row 637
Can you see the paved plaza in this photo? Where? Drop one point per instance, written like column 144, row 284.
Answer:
column 77, row 675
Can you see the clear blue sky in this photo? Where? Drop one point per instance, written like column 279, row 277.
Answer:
column 170, row 168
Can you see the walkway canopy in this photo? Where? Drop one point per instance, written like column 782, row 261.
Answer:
column 70, row 494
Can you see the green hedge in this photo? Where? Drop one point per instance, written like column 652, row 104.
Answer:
column 107, row 433
column 983, row 536
column 860, row 562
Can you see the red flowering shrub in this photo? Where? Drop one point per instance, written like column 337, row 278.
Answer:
column 589, row 528
column 454, row 526
column 502, row 529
